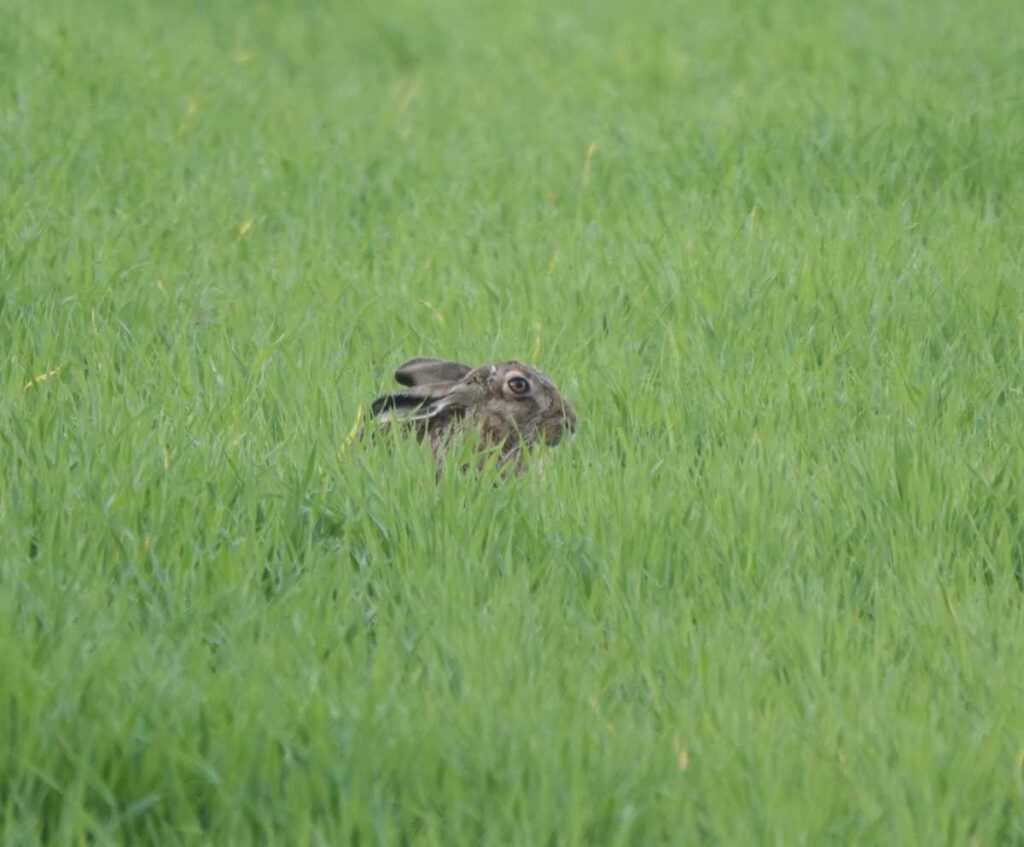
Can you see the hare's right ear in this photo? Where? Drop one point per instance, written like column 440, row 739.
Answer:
column 423, row 371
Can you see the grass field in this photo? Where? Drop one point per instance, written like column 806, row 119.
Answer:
column 770, row 593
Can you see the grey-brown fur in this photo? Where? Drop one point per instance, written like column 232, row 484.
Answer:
column 513, row 406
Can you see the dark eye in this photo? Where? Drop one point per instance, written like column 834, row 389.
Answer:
column 518, row 385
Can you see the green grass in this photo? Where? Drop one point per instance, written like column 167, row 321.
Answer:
column 771, row 592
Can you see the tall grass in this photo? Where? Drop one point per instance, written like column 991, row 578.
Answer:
column 772, row 591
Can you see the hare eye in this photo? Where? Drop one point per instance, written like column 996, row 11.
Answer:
column 518, row 385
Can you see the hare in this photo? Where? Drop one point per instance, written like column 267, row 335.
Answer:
column 511, row 405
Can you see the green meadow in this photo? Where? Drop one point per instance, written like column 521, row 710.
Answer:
column 772, row 592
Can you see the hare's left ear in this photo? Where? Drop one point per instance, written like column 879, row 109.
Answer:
column 418, row 403
column 423, row 371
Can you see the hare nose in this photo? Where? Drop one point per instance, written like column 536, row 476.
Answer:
column 569, row 417
column 558, row 426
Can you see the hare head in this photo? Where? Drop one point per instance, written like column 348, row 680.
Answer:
column 511, row 405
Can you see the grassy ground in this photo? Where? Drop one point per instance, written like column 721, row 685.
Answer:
column 772, row 591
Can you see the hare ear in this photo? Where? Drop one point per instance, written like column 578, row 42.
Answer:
column 420, row 402
column 423, row 371
column 417, row 404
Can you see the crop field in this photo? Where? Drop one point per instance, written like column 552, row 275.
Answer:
column 771, row 592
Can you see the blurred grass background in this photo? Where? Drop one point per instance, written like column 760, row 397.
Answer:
column 771, row 593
